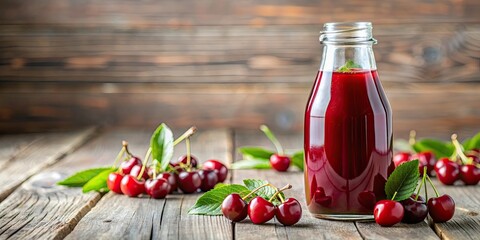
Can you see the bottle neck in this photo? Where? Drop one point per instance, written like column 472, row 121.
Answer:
column 336, row 56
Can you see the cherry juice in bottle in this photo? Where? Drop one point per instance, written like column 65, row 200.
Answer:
column 347, row 136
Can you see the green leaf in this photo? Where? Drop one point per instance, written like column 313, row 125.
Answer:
column 162, row 145
column 79, row 179
column 265, row 192
column 347, row 67
column 255, row 153
column 99, row 182
column 297, row 159
column 210, row 202
column 472, row 143
column 403, row 181
column 439, row 148
column 252, row 164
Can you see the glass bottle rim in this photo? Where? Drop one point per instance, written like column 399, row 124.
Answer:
column 347, row 33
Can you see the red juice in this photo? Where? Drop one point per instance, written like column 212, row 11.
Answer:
column 348, row 143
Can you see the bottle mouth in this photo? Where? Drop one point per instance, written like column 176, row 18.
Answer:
column 347, row 33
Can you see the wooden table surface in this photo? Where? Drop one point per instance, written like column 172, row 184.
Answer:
column 32, row 206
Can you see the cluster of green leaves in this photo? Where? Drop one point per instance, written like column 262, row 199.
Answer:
column 445, row 148
column 95, row 179
column 210, row 202
column 259, row 158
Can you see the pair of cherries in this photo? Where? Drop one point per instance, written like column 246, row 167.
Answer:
column 260, row 210
column 191, row 179
column 449, row 171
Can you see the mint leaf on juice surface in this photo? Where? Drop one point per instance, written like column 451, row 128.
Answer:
column 348, row 66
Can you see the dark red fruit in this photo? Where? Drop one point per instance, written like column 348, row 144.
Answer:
column 289, row 212
column 280, row 163
column 209, row 179
column 400, row 158
column 449, row 173
column 470, row 174
column 127, row 166
column 388, row 213
column 183, row 159
column 170, row 177
column 441, row 209
column 234, row 208
column 113, row 182
column 136, row 171
column 218, row 167
column 260, row 210
column 414, row 211
column 157, row 188
column 189, row 182
column 425, row 159
column 131, row 187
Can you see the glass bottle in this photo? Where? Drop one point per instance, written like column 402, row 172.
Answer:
column 348, row 127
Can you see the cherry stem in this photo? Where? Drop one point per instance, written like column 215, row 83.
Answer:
column 120, row 154
column 433, row 186
column 421, row 183
column 186, row 134
column 394, row 195
column 256, row 189
column 145, row 161
column 459, row 150
column 288, row 186
column 411, row 139
column 187, row 143
column 273, row 139
column 125, row 144
column 155, row 169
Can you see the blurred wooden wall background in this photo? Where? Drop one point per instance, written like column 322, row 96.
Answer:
column 220, row 63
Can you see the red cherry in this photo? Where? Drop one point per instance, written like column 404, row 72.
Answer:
column 260, row 210
column 219, row 167
column 280, row 163
column 183, row 159
column 157, row 188
column 189, row 182
column 170, row 177
column 440, row 163
column 127, row 166
column 470, row 174
column 132, row 187
column 289, row 212
column 209, row 179
column 414, row 211
column 400, row 158
column 441, row 209
column 449, row 173
column 234, row 208
column 388, row 213
column 113, row 182
column 136, row 171
column 425, row 159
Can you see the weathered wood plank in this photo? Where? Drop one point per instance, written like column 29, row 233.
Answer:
column 13, row 144
column 38, row 155
column 465, row 224
column 41, row 209
column 308, row 227
column 225, row 105
column 371, row 230
column 146, row 218
column 206, row 12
